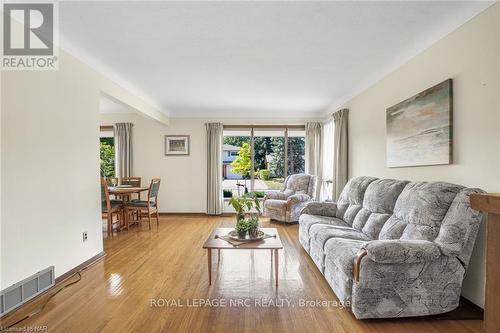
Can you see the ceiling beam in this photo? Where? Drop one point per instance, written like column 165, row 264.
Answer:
column 119, row 94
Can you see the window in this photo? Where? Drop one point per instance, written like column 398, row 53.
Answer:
column 296, row 151
column 107, row 155
column 259, row 158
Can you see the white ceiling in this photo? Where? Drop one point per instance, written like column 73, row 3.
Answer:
column 258, row 59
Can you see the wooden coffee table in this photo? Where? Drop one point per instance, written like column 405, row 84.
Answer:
column 272, row 243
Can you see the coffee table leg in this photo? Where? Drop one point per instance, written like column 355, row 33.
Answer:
column 276, row 266
column 209, row 256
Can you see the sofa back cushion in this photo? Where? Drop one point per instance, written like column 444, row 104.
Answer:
column 459, row 227
column 351, row 198
column 378, row 205
column 419, row 211
column 299, row 183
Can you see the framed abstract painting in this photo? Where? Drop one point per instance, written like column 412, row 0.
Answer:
column 420, row 129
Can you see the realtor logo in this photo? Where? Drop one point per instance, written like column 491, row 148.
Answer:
column 28, row 36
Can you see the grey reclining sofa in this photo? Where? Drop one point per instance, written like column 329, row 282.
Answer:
column 393, row 248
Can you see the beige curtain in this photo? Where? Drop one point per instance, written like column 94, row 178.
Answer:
column 340, row 151
column 314, row 164
column 327, row 172
column 122, row 133
column 214, row 168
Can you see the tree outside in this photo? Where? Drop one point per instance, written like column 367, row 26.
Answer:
column 277, row 163
column 242, row 165
column 107, row 148
column 296, row 153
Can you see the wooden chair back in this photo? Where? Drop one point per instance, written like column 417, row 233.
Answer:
column 154, row 188
column 105, row 194
column 133, row 181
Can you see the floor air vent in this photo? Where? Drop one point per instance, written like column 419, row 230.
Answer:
column 21, row 292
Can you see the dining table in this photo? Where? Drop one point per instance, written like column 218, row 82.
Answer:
column 124, row 192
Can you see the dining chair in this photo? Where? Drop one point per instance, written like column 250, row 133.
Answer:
column 110, row 207
column 149, row 206
column 134, row 182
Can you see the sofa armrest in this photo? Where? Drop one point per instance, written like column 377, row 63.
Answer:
column 401, row 251
column 320, row 208
column 396, row 252
column 276, row 195
column 296, row 198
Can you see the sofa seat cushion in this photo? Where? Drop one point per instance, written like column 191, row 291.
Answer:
column 115, row 204
column 141, row 203
column 275, row 206
column 321, row 233
column 307, row 221
column 340, row 254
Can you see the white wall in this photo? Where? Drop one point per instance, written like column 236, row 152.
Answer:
column 49, row 170
column 183, row 186
column 50, row 190
column 470, row 57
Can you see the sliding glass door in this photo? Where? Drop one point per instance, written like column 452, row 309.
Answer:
column 269, row 158
column 259, row 158
column 237, row 171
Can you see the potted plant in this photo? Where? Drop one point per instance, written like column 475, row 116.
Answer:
column 244, row 204
column 242, row 228
column 250, row 225
column 253, row 226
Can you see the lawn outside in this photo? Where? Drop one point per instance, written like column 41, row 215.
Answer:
column 274, row 183
column 259, row 185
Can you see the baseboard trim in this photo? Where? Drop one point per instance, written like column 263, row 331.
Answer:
column 58, row 281
column 183, row 213
column 195, row 214
column 84, row 264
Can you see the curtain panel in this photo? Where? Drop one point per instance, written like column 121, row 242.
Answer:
column 214, row 168
column 340, row 155
column 313, row 152
column 122, row 133
column 327, row 146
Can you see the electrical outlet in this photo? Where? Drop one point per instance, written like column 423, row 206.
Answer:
column 85, row 236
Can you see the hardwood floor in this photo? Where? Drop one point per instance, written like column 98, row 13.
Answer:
column 115, row 294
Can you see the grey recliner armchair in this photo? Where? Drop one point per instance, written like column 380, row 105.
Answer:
column 285, row 205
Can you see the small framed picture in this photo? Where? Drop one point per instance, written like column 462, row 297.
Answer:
column 176, row 145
